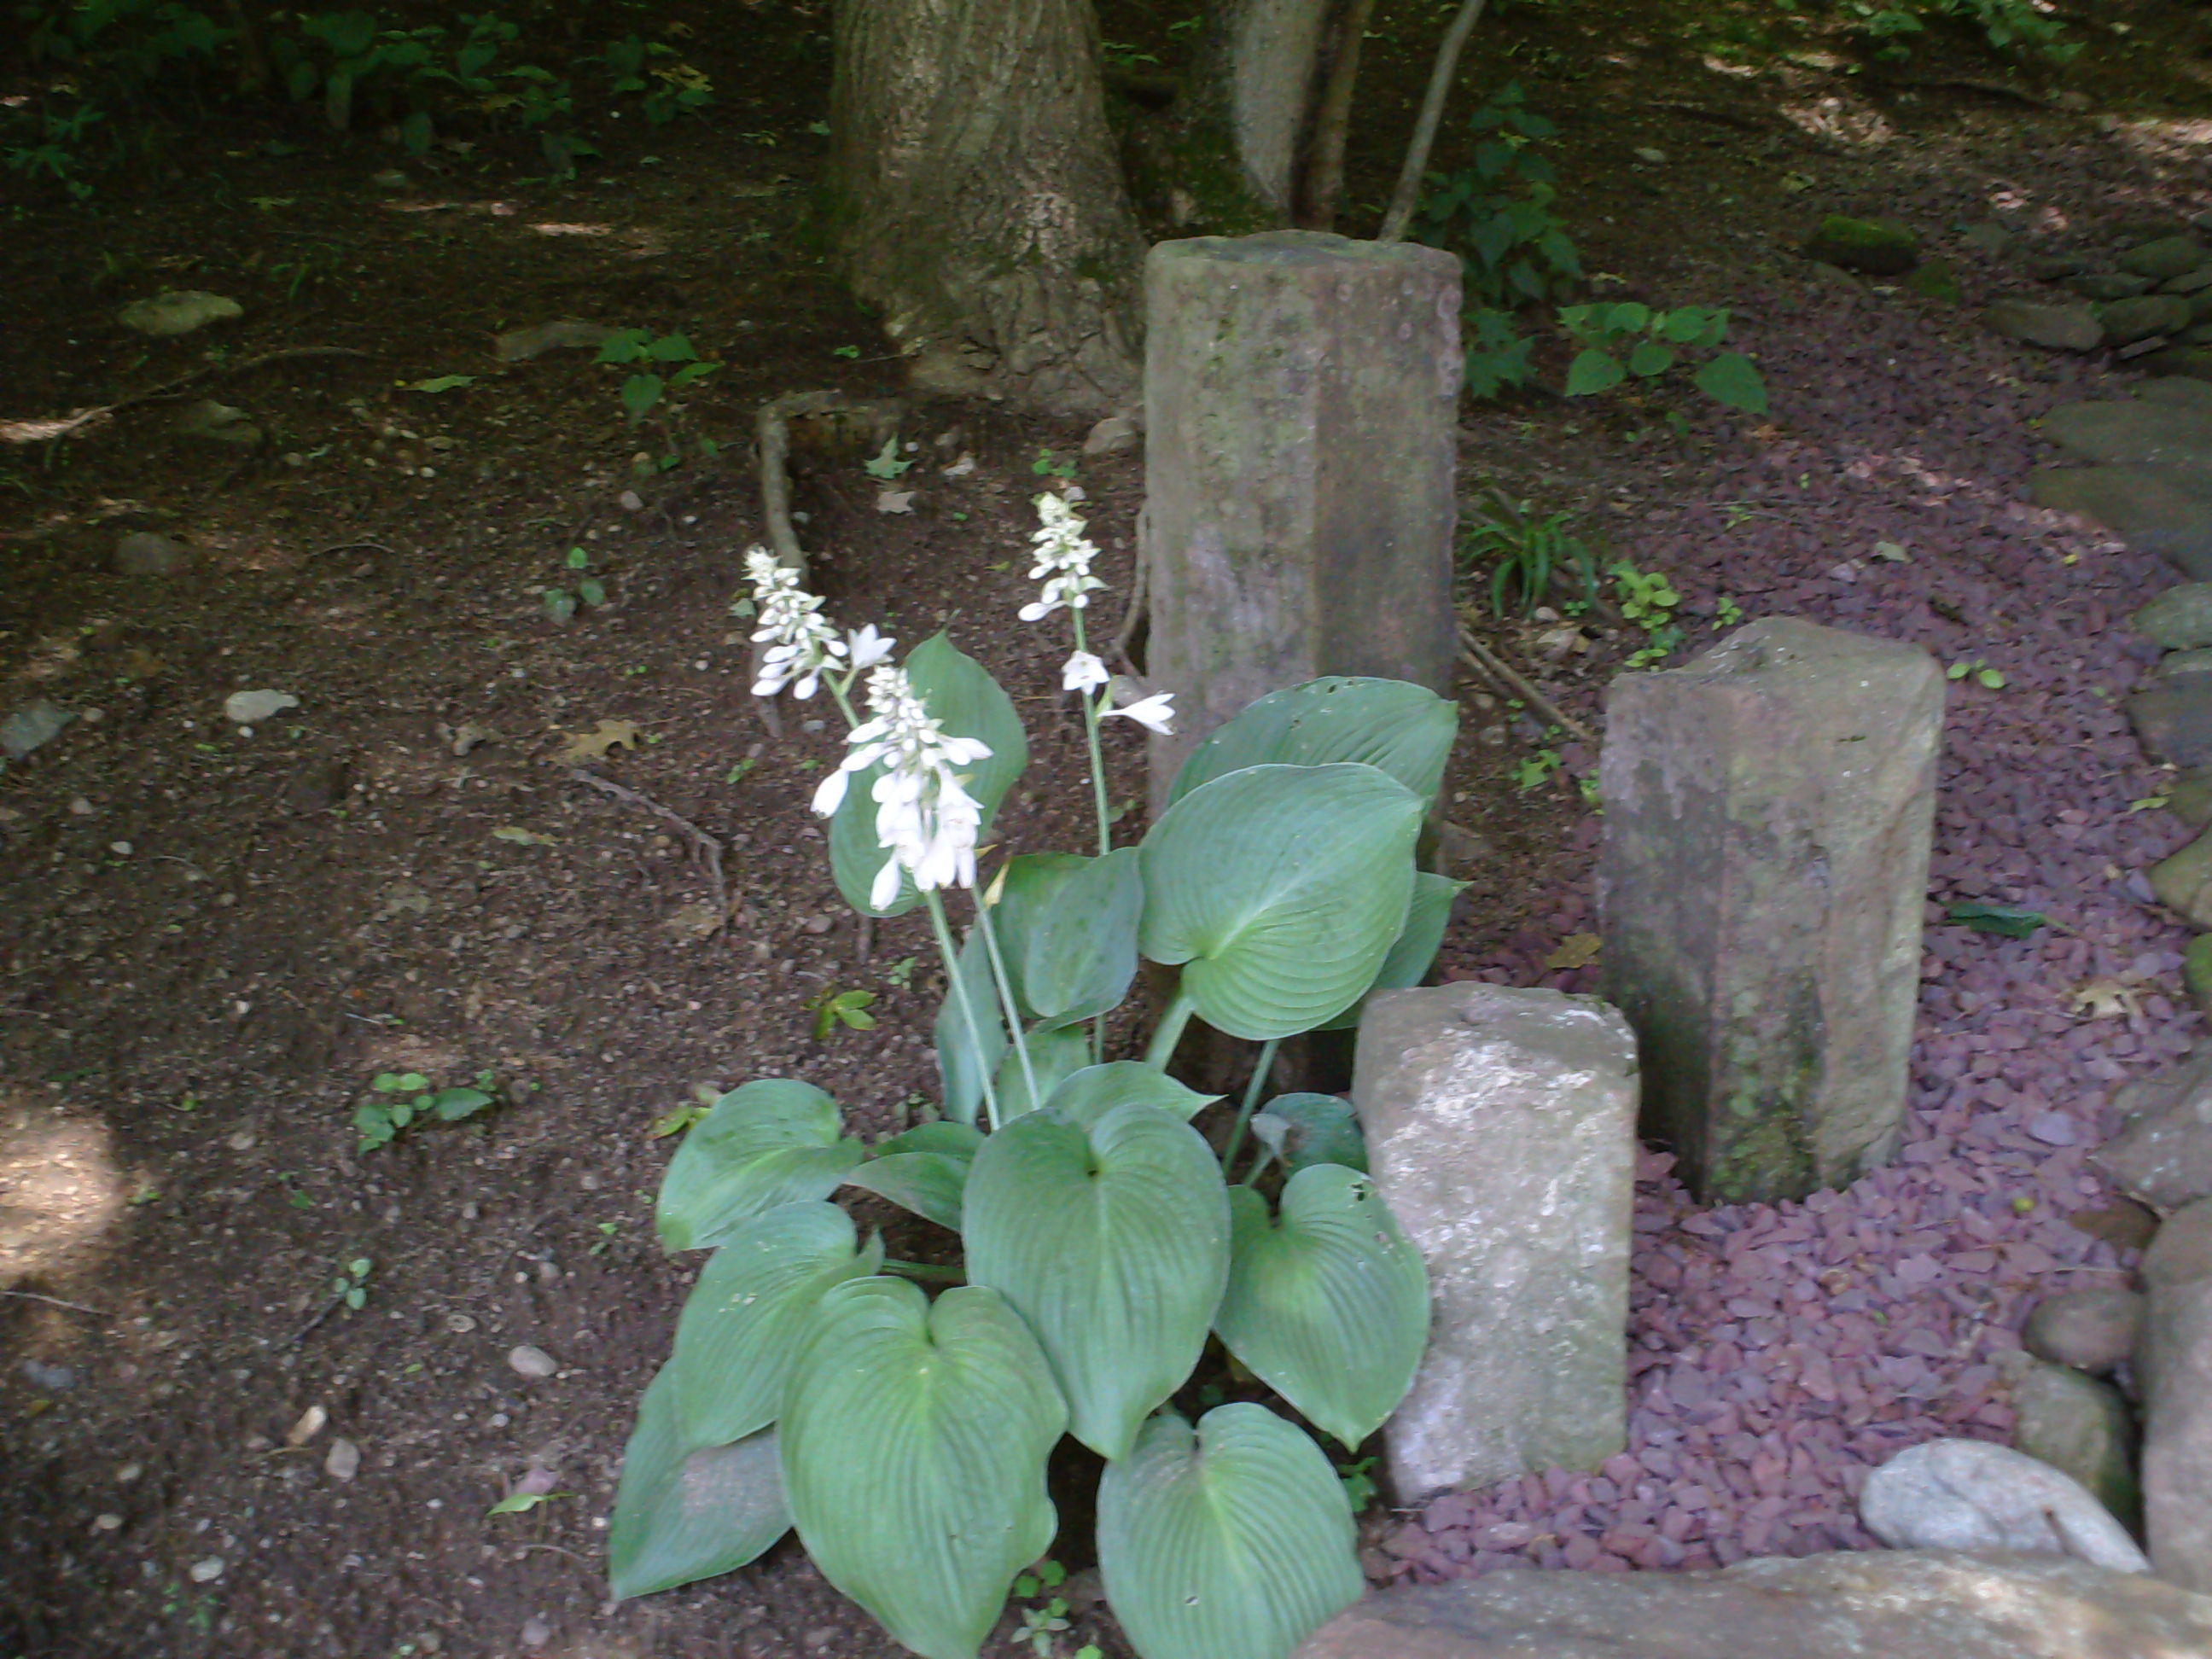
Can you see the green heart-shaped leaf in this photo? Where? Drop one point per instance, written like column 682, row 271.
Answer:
column 1055, row 1056
column 771, row 1143
column 1414, row 950
column 1405, row 729
column 914, row 1439
column 1112, row 1240
column 1302, row 1130
column 743, row 1323
column 1328, row 1304
column 685, row 1512
column 930, row 1184
column 1234, row 1541
column 1283, row 889
column 1096, row 1089
column 1067, row 928
column 962, row 698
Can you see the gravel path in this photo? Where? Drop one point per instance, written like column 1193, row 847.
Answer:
column 1778, row 1353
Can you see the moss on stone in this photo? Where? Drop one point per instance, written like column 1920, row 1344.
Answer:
column 1880, row 247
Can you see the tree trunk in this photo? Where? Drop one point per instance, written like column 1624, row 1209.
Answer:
column 1225, row 159
column 977, row 201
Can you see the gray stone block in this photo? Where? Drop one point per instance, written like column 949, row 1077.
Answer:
column 2167, row 257
column 2160, row 509
column 1971, row 1494
column 2092, row 1329
column 2064, row 328
column 2144, row 316
column 2174, row 1365
column 1768, row 808
column 1300, row 436
column 1501, row 1127
column 1873, row 1604
column 2131, row 432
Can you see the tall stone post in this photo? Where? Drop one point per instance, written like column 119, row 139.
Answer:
column 1300, row 391
column 1768, row 808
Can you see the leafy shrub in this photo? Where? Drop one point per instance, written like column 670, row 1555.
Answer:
column 2005, row 24
column 1497, row 216
column 812, row 1383
column 1655, row 341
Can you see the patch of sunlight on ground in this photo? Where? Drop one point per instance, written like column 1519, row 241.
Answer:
column 60, row 1187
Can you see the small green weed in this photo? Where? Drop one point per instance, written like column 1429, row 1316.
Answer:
column 1983, row 674
column 1536, row 770
column 401, row 1099
column 1648, row 600
column 561, row 604
column 833, row 1008
column 1358, row 1484
column 349, row 1289
column 644, row 391
column 900, row 975
column 1727, row 613
column 1528, row 552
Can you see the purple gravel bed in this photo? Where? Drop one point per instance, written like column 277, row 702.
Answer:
column 1777, row 1353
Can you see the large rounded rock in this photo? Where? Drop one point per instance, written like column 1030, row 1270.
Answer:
column 2167, row 257
column 2080, row 1427
column 2092, row 1329
column 1918, row 1604
column 142, row 553
column 1971, row 1494
column 1879, row 247
column 2180, row 619
column 2163, row 1154
column 2183, row 881
column 2175, row 1364
column 2128, row 320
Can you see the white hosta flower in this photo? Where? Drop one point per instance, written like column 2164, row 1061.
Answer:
column 1083, row 672
column 924, row 814
column 1063, row 561
column 1156, row 713
column 868, row 646
column 801, row 644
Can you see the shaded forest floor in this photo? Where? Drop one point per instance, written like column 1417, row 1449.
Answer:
column 213, row 937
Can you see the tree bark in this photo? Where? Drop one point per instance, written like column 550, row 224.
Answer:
column 976, row 199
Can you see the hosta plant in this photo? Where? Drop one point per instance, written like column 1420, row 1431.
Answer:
column 1103, row 1242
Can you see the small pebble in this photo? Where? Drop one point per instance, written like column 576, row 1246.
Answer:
column 343, row 1460
column 207, row 1569
column 241, row 1141
column 127, row 1474
column 531, row 1362
column 309, row 1425
column 108, row 1522
column 535, row 1632
column 121, row 848
column 54, row 1379
column 460, row 1324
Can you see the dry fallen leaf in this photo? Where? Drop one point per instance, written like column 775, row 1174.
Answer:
column 527, row 837
column 895, row 500
column 1575, row 951
column 593, row 745
column 699, row 920
column 2107, row 999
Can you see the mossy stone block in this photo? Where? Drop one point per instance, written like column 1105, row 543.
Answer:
column 1879, row 247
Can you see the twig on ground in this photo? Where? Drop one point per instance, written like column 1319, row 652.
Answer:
column 1478, row 656
column 354, row 547
column 33, row 432
column 54, row 1301
column 707, row 852
column 328, row 1309
column 1408, row 193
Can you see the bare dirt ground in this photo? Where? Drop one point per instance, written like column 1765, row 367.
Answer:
column 214, row 938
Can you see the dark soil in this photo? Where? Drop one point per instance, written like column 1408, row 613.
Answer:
column 214, row 940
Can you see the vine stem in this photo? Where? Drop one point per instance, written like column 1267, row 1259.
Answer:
column 959, row 983
column 1170, row 1030
column 1006, row 985
column 1408, row 193
column 1251, row 1098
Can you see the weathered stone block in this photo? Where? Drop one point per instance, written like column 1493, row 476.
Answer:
column 1767, row 815
column 1501, row 1127
column 1880, row 247
column 1971, row 1494
column 2167, row 257
column 1300, row 395
column 2092, row 1329
column 2174, row 1365
column 1900, row 1604
column 2173, row 720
